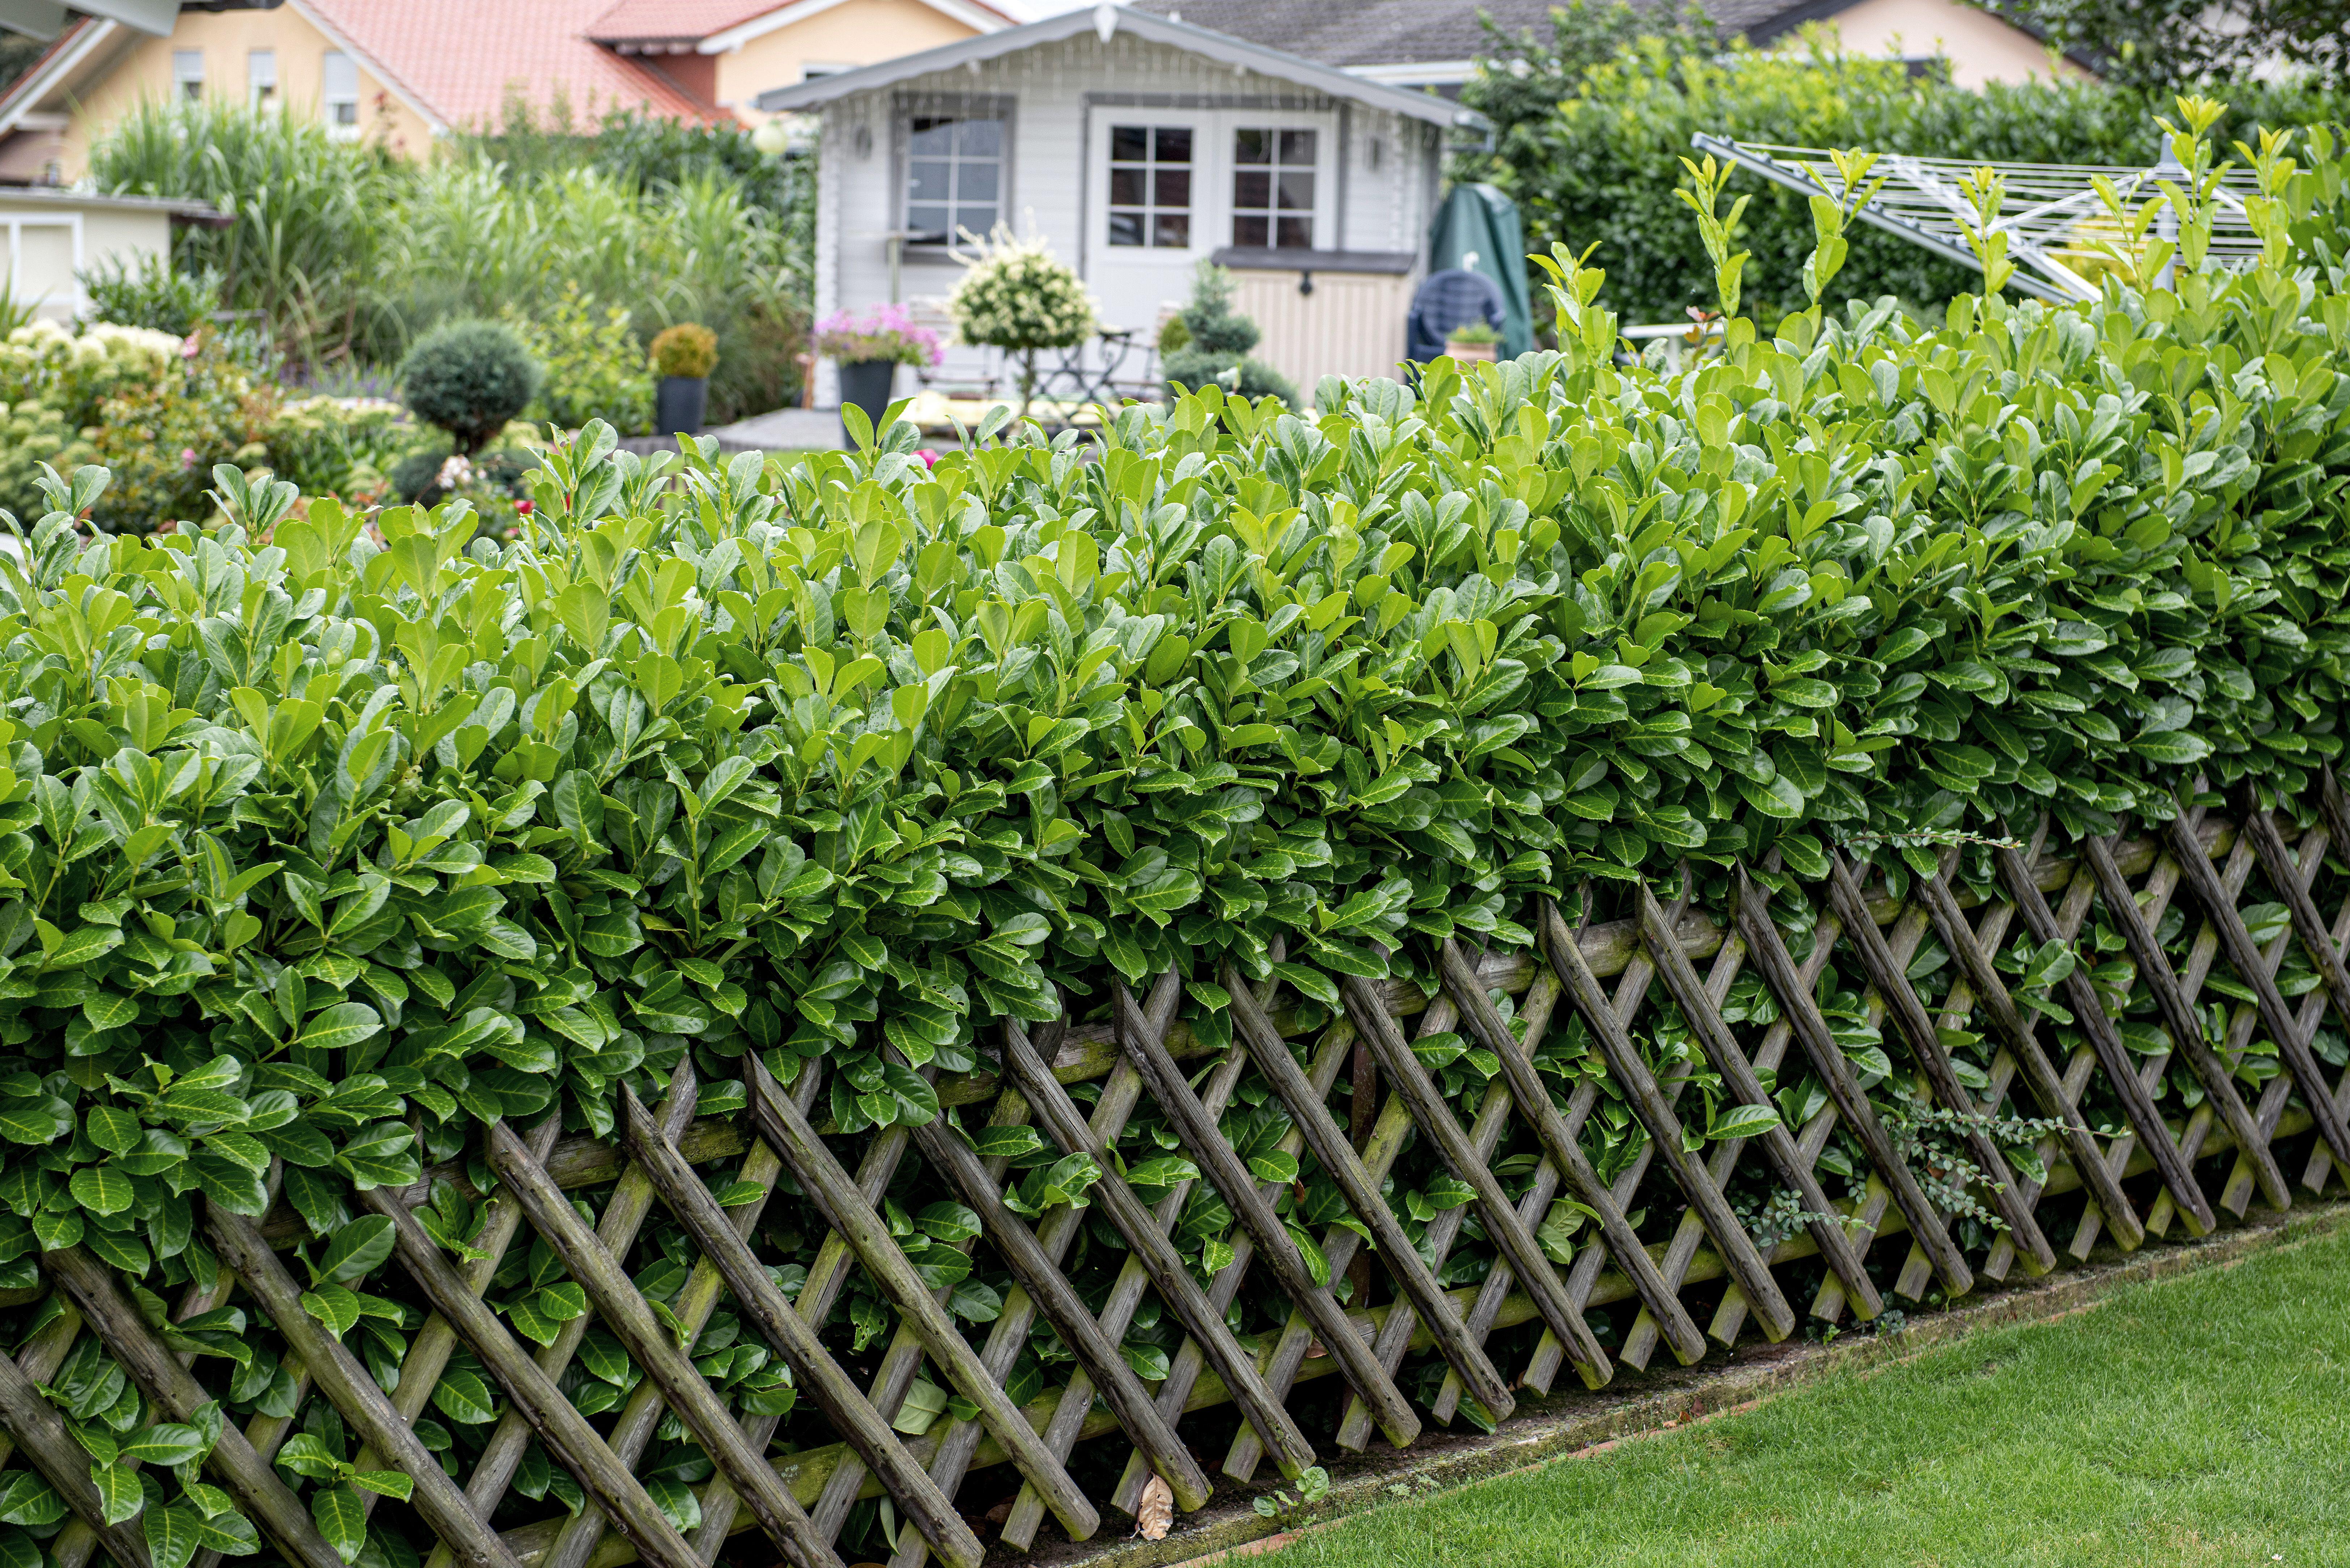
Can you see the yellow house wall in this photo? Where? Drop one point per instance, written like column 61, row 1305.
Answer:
column 855, row 33
column 1982, row 47
column 227, row 39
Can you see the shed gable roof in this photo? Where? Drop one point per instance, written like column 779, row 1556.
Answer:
column 1106, row 21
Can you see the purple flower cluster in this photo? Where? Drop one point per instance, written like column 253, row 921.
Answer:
column 883, row 332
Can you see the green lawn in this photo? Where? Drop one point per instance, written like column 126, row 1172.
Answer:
column 2204, row 1419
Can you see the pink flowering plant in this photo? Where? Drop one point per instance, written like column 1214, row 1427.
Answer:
column 884, row 332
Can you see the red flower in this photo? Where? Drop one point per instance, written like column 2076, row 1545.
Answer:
column 522, row 507
column 929, row 458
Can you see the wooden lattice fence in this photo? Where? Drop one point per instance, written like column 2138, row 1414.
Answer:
column 2140, row 1172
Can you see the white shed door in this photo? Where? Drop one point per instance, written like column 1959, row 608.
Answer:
column 1169, row 187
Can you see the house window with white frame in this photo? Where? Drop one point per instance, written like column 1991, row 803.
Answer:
column 338, row 93
column 1274, row 187
column 188, row 73
column 954, row 175
column 261, row 78
column 1150, row 186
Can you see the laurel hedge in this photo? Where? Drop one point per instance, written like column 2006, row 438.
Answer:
column 325, row 839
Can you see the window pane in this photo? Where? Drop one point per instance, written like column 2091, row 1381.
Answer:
column 1248, row 231
column 1129, row 143
column 1126, row 188
column 1251, row 147
column 1174, row 144
column 1172, row 230
column 1297, row 191
column 978, row 219
column 979, row 138
column 346, row 113
column 1297, row 147
column 927, row 222
column 342, row 76
column 975, row 181
column 931, row 136
column 1171, row 188
column 1252, row 190
column 261, row 69
column 1126, row 228
column 1296, row 234
column 927, row 181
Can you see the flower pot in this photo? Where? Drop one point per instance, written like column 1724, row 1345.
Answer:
column 866, row 383
column 678, row 403
column 1471, row 350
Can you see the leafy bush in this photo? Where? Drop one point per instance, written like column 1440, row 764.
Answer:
column 590, row 367
column 74, row 371
column 688, row 349
column 469, row 378
column 152, row 294
column 162, row 438
column 343, row 447
column 31, row 434
column 351, row 253
column 321, row 855
column 1589, row 135
column 1214, row 344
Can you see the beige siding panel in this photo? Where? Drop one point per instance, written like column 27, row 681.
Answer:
column 1351, row 325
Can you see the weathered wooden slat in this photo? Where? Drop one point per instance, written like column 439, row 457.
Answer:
column 624, row 1211
column 2121, row 1072
column 1722, row 1048
column 1222, row 1168
column 267, row 1501
column 2016, row 1034
column 2291, row 1044
column 351, row 1390
column 850, row 1213
column 1156, row 1255
column 641, row 1418
column 1114, row 1381
column 813, row 1367
column 41, row 1356
column 649, row 1345
column 1810, row 1030
column 2186, row 1031
column 1344, row 1168
column 1565, row 1151
column 40, row 1431
column 1290, row 1347
column 1434, row 1117
column 565, row 1433
column 1008, row 1335
column 1909, row 1015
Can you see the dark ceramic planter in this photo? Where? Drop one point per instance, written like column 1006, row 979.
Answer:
column 678, row 403
column 866, row 384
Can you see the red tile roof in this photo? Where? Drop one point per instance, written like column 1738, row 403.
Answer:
column 667, row 19
column 455, row 58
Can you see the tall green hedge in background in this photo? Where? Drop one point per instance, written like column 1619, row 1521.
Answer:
column 1592, row 122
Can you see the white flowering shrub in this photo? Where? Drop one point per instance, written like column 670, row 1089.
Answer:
column 1017, row 297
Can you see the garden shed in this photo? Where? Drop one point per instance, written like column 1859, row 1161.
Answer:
column 49, row 238
column 1139, row 146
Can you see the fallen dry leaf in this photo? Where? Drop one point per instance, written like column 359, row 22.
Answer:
column 1156, row 1511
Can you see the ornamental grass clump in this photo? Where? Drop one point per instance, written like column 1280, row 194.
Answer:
column 326, row 840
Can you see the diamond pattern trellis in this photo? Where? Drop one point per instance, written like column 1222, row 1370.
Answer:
column 2099, row 1098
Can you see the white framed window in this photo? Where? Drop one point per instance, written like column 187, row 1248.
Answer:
column 261, row 78
column 954, row 174
column 1151, row 194
column 338, row 93
column 188, row 73
column 1276, row 185
column 811, row 69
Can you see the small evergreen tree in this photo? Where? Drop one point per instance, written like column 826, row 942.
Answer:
column 1218, row 339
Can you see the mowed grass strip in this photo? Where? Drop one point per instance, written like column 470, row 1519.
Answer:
column 2199, row 1419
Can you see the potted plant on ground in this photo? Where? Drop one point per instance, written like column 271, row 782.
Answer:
column 868, row 345
column 1472, row 340
column 1016, row 297
column 682, row 357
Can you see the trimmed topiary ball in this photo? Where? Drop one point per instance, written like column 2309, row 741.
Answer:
column 469, row 378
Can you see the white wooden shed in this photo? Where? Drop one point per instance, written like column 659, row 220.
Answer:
column 1137, row 146
column 48, row 238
